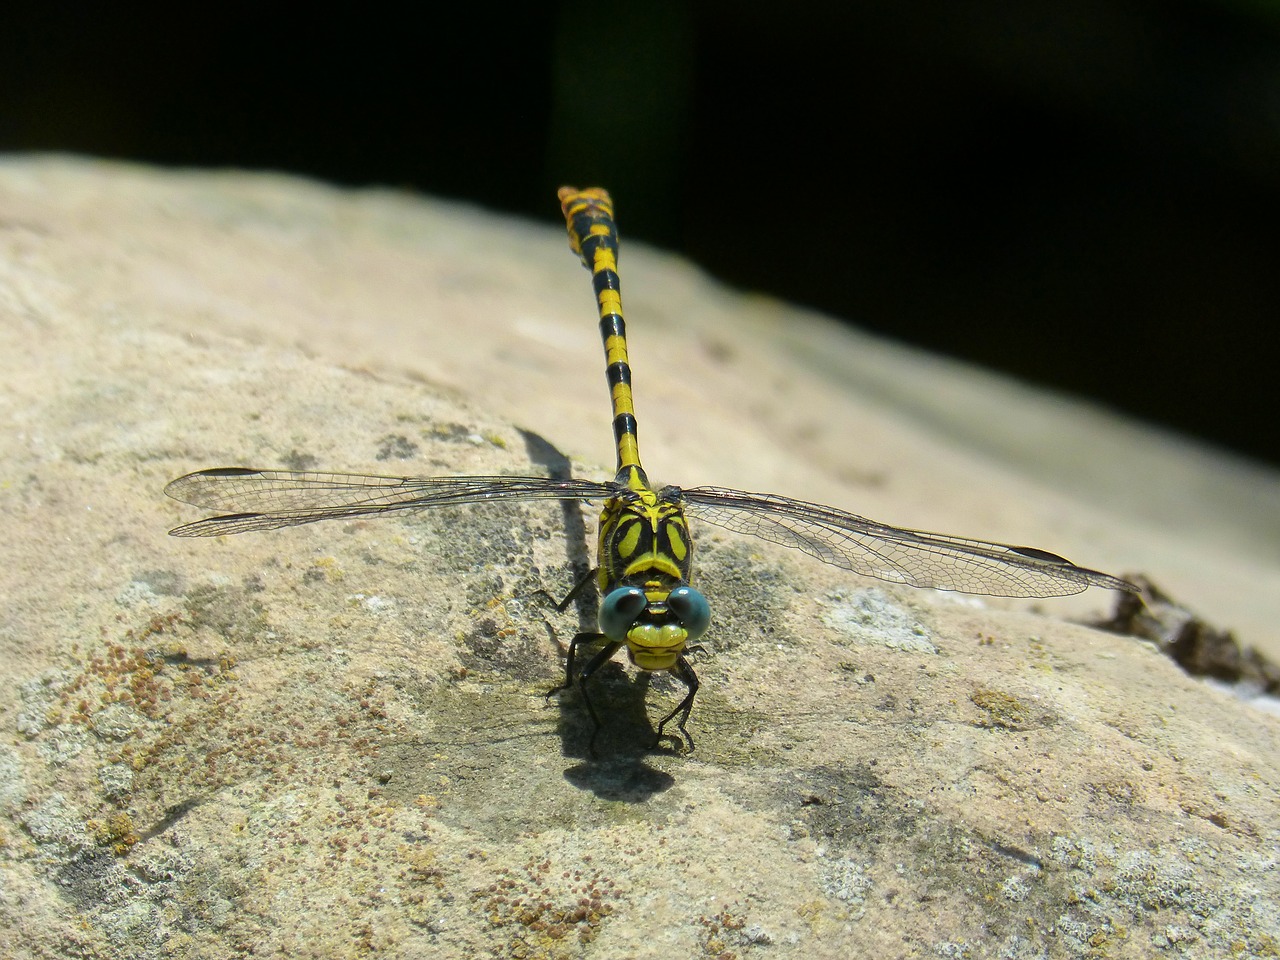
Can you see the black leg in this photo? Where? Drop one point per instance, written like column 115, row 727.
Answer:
column 582, row 639
column 578, row 587
column 685, row 674
column 595, row 663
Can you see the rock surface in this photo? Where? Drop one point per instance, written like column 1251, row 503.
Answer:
column 331, row 741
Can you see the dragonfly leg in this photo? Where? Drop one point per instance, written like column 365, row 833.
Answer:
column 582, row 639
column 603, row 656
column 685, row 674
column 595, row 663
column 578, row 587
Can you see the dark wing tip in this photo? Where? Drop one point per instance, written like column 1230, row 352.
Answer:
column 225, row 472
column 188, row 478
column 1035, row 553
column 1092, row 578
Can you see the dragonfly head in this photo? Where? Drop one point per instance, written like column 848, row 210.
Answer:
column 656, row 631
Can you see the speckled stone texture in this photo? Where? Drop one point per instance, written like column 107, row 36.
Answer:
column 332, row 741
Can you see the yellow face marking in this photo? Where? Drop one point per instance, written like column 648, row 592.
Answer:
column 656, row 648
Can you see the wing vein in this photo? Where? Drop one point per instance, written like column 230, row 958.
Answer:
column 896, row 554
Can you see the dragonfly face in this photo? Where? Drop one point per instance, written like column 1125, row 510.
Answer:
column 646, row 562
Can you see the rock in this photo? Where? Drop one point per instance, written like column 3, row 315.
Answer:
column 333, row 740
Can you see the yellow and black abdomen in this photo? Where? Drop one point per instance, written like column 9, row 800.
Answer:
column 594, row 237
column 646, row 556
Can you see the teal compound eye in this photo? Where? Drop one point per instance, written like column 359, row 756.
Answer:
column 691, row 609
column 619, row 610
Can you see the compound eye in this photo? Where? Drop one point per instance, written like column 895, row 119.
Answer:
column 691, row 609
column 619, row 610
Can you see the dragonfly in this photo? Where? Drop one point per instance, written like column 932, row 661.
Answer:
column 644, row 567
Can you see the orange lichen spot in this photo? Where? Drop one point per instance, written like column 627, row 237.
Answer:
column 116, row 832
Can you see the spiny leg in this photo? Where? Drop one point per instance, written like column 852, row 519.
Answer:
column 595, row 663
column 580, row 639
column 684, row 673
column 572, row 595
column 600, row 658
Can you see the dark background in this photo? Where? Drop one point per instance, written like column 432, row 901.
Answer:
column 1085, row 194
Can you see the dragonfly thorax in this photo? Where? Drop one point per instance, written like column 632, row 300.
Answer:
column 644, row 539
column 646, row 562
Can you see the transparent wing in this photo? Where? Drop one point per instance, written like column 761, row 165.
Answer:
column 891, row 553
column 268, row 499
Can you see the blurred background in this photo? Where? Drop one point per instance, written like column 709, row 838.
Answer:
column 1082, row 193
